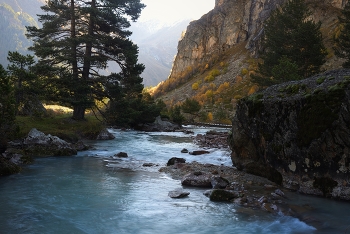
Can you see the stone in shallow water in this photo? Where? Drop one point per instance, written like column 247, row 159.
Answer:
column 175, row 160
column 184, row 151
column 178, row 193
column 199, row 152
column 197, row 179
column 121, row 155
column 149, row 164
column 219, row 183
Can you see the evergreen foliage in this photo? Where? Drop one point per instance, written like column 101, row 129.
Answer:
column 7, row 104
column 78, row 40
column 190, row 106
column 291, row 39
column 22, row 77
column 342, row 42
column 175, row 114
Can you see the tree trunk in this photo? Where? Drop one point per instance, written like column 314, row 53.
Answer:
column 74, row 43
column 78, row 113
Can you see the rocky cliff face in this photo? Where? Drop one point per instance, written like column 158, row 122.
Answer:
column 299, row 130
column 239, row 21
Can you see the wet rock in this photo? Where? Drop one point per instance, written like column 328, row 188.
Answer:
column 197, row 179
column 39, row 144
column 223, row 195
column 80, row 146
column 280, row 193
column 265, row 171
column 121, row 155
column 105, row 135
column 159, row 125
column 188, row 132
column 271, row 208
column 175, row 160
column 218, row 182
column 184, row 151
column 149, row 164
column 212, row 139
column 7, row 167
column 262, row 200
column 199, row 152
column 178, row 193
column 207, row 193
column 325, row 184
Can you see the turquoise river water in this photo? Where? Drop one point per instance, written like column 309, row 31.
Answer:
column 95, row 192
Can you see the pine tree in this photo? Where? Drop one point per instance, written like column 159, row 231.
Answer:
column 191, row 106
column 22, row 76
column 342, row 42
column 78, row 39
column 291, row 35
column 7, row 104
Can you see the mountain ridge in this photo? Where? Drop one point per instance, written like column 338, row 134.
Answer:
column 232, row 31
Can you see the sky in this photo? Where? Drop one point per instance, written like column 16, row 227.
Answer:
column 170, row 11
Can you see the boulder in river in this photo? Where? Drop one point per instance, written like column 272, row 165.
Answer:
column 223, row 195
column 39, row 144
column 197, row 179
column 218, row 182
column 175, row 160
column 159, row 125
column 121, row 155
column 184, row 151
column 105, row 135
column 199, row 152
column 178, row 193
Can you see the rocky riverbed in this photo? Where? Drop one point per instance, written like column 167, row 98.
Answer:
column 228, row 184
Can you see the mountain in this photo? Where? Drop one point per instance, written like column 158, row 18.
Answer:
column 157, row 41
column 219, row 51
column 31, row 7
column 157, row 47
column 14, row 16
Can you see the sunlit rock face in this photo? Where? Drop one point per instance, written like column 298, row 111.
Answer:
column 300, row 129
column 238, row 21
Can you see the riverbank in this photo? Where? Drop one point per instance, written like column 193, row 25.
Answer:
column 252, row 192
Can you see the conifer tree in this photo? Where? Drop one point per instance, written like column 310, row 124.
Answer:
column 22, row 76
column 291, row 37
column 77, row 41
column 191, row 106
column 7, row 104
column 342, row 42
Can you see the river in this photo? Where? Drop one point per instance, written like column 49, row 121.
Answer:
column 96, row 192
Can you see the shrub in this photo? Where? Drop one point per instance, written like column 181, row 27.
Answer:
column 210, row 117
column 195, row 86
column 244, row 71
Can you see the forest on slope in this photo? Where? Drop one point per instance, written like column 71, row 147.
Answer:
column 12, row 26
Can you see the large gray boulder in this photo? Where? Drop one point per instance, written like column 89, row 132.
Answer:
column 197, row 179
column 39, row 144
column 300, row 131
column 160, row 125
column 178, row 193
column 105, row 135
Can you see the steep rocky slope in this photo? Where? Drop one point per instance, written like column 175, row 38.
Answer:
column 230, row 27
column 301, row 129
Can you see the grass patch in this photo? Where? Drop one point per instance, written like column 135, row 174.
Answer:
column 60, row 125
